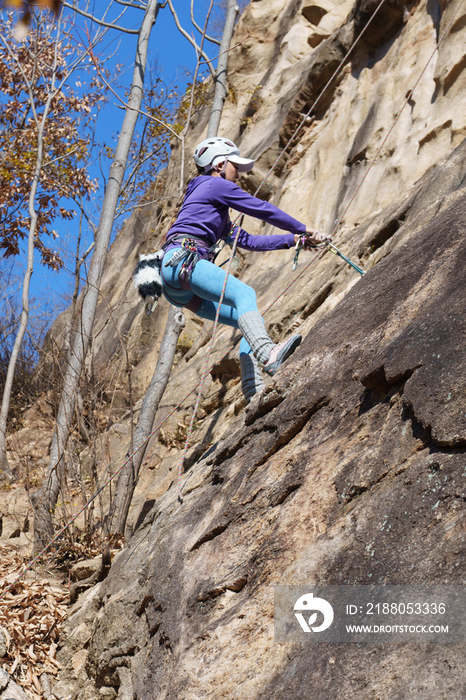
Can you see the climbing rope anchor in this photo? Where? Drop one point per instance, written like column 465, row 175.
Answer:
column 333, row 249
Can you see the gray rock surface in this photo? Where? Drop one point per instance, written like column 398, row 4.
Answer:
column 4, row 679
column 85, row 568
column 9, row 690
column 347, row 470
column 3, row 643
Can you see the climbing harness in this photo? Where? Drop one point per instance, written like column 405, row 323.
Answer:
column 148, row 273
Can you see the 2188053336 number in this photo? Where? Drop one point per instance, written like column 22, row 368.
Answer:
column 405, row 608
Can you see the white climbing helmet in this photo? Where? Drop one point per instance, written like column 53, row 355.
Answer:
column 212, row 151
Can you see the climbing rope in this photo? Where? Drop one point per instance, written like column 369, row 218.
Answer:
column 340, row 218
column 233, row 251
column 205, row 370
column 317, row 100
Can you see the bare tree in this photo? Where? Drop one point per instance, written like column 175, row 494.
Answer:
column 129, row 477
column 40, row 123
column 191, row 101
column 43, row 75
column 221, row 72
column 44, row 500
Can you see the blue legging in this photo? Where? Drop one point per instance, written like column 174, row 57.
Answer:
column 206, row 282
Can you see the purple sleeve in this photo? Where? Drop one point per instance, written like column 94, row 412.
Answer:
column 233, row 196
column 250, row 242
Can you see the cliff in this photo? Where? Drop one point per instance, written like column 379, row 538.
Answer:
column 349, row 467
column 348, row 470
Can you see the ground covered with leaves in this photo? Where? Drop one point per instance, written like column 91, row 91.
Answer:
column 32, row 611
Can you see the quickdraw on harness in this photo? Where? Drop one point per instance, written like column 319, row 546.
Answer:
column 188, row 253
column 148, row 273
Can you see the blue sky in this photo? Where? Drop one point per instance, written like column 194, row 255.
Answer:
column 174, row 57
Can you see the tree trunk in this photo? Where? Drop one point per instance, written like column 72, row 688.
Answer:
column 6, row 398
column 221, row 74
column 128, row 478
column 48, row 494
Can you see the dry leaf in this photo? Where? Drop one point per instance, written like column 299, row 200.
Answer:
column 22, row 27
column 56, row 663
column 15, row 665
column 30, row 612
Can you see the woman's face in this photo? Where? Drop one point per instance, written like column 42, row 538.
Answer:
column 231, row 171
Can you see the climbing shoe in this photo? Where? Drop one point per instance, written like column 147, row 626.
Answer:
column 280, row 353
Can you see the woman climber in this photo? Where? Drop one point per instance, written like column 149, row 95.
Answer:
column 189, row 276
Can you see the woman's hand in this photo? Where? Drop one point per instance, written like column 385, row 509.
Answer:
column 312, row 238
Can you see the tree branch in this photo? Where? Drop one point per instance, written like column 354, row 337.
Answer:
column 130, row 4
column 128, row 478
column 138, row 206
column 221, row 92
column 54, row 160
column 109, row 25
column 45, row 500
column 209, row 38
column 191, row 102
column 230, row 49
column 189, row 38
column 33, row 218
column 139, row 111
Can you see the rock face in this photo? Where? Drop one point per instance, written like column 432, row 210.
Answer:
column 349, row 468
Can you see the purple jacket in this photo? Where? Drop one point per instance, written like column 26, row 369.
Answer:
column 204, row 214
